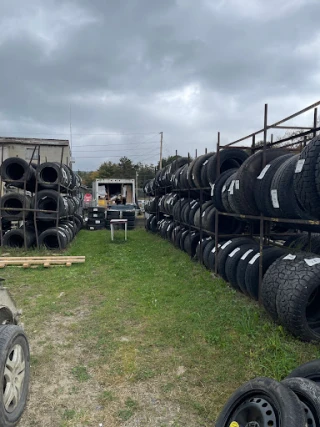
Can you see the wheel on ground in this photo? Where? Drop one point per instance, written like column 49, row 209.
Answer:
column 262, row 402
column 15, row 374
column 310, row 370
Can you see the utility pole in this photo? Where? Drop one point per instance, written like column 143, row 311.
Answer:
column 161, row 143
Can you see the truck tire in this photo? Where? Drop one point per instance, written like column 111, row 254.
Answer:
column 298, row 299
column 15, row 374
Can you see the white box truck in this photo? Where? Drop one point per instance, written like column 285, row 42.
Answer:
column 105, row 191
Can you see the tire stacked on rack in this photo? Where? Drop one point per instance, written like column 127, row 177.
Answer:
column 129, row 215
column 19, row 208
column 96, row 218
column 295, row 401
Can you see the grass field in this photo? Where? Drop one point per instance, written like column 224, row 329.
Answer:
column 140, row 335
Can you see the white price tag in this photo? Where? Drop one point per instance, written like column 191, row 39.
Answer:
column 290, row 257
column 263, row 172
column 95, row 209
column 226, row 244
column 223, row 188
column 231, row 187
column 244, row 256
column 254, row 258
column 97, row 221
column 237, row 184
column 299, row 165
column 312, row 261
column 95, row 215
column 212, row 189
column 274, row 199
column 204, row 163
column 214, row 249
column 234, row 252
column 203, row 214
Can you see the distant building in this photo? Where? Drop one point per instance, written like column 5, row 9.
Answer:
column 43, row 150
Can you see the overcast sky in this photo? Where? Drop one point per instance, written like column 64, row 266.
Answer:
column 130, row 69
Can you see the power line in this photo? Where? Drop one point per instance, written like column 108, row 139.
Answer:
column 91, row 134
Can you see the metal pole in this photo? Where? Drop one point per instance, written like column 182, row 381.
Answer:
column 161, row 144
column 216, row 215
column 315, row 120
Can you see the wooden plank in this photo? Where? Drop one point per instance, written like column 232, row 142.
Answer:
column 41, row 258
column 39, row 262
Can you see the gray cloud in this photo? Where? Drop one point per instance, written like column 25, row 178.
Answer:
column 183, row 67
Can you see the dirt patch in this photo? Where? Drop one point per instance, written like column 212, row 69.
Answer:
column 65, row 389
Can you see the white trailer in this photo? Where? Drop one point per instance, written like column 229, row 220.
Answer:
column 105, row 191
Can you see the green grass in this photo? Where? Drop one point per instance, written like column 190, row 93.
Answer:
column 150, row 311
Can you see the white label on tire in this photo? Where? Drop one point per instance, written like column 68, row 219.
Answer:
column 214, row 249
column 91, row 228
column 312, row 261
column 274, row 199
column 290, row 257
column 263, row 172
column 254, row 258
column 204, row 163
column 223, row 188
column 212, row 189
column 97, row 222
column 95, row 215
column 234, row 252
column 237, row 184
column 231, row 187
column 226, row 244
column 244, row 256
column 203, row 214
column 95, row 209
column 299, row 165
column 192, row 177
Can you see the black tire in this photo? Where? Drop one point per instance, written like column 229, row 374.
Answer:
column 79, row 219
column 220, row 187
column 14, row 171
column 200, row 248
column 193, row 209
column 305, row 185
column 51, row 174
column 229, row 158
column 246, row 178
column 262, row 186
column 285, row 203
column 212, row 257
column 197, row 169
column 190, row 243
column 226, row 249
column 96, row 227
column 48, row 200
column 15, row 238
column 13, row 340
column 96, row 215
column 206, row 252
column 204, row 174
column 95, row 221
column 232, row 264
column 203, row 211
column 242, row 266
column 310, row 370
column 269, row 255
column 298, row 300
column 263, row 402
column 53, row 239
column 226, row 194
column 274, row 276
column 96, row 209
column 16, row 201
column 309, row 395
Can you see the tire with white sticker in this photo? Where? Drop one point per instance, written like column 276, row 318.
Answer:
column 220, row 188
column 262, row 187
column 199, row 165
column 298, row 299
column 232, row 264
column 305, row 183
column 226, row 249
column 229, row 158
column 242, row 266
column 230, row 184
column 269, row 255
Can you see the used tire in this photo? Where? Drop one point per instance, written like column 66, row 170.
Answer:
column 310, row 370
column 226, row 249
column 242, row 266
column 14, row 171
column 262, row 402
column 17, row 239
column 229, row 158
column 15, row 374
column 298, row 299
column 53, row 238
column 48, row 200
column 232, row 264
column 15, row 201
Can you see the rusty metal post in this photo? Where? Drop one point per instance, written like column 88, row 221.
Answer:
column 216, row 214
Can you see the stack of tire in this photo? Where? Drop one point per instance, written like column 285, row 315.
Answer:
column 55, row 203
column 96, row 218
column 293, row 402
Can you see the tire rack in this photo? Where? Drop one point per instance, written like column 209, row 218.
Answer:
column 24, row 182
column 264, row 235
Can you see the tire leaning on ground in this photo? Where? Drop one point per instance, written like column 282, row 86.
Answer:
column 308, row 393
column 15, row 374
column 15, row 238
column 51, row 237
column 310, row 370
column 298, row 299
column 262, row 402
column 274, row 276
